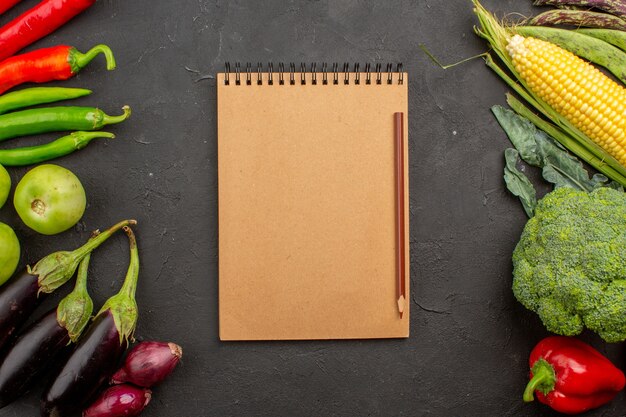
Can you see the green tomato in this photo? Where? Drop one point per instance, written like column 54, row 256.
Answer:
column 5, row 185
column 50, row 199
column 9, row 252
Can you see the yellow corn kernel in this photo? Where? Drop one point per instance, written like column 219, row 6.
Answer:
column 577, row 90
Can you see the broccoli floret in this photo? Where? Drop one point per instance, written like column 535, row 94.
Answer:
column 570, row 263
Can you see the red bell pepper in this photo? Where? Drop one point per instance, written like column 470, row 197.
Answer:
column 42, row 65
column 570, row 376
column 38, row 22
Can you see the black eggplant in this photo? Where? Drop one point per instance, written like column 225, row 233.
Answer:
column 41, row 343
column 24, row 292
column 97, row 354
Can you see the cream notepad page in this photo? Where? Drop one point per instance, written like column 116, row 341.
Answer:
column 306, row 208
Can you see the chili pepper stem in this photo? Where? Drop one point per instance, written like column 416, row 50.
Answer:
column 543, row 380
column 80, row 60
column 82, row 139
column 109, row 120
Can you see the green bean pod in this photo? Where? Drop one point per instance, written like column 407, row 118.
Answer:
column 614, row 37
column 587, row 47
column 56, row 149
column 615, row 7
column 55, row 119
column 38, row 95
column 578, row 18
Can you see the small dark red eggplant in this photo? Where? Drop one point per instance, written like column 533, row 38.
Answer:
column 148, row 363
column 97, row 354
column 24, row 292
column 120, row 401
column 40, row 344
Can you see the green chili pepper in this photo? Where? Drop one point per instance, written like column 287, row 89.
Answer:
column 60, row 147
column 55, row 119
column 38, row 95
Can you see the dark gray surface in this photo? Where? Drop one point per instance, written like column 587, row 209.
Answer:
column 469, row 338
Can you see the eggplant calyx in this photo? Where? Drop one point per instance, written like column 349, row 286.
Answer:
column 123, row 306
column 54, row 270
column 57, row 268
column 75, row 309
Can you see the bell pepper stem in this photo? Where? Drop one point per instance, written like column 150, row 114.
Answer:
column 543, row 380
column 80, row 60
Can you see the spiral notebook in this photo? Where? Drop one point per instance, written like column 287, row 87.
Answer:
column 307, row 202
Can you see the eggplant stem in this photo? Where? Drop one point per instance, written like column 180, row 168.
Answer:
column 130, row 282
column 81, row 275
column 98, row 240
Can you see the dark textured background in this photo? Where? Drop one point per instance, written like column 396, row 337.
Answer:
column 469, row 338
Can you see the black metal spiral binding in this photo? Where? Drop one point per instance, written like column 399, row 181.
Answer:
column 281, row 73
column 237, row 73
column 314, row 73
column 270, row 79
column 389, row 74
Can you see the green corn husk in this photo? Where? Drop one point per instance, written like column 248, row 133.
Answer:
column 556, row 125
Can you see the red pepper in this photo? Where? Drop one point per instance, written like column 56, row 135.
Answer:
column 570, row 376
column 7, row 4
column 34, row 24
column 42, row 65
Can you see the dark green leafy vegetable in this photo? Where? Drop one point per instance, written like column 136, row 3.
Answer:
column 518, row 183
column 538, row 149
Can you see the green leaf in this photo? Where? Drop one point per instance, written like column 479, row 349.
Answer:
column 518, row 183
column 537, row 148
column 521, row 133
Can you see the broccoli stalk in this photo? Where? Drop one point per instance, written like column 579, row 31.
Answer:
column 570, row 263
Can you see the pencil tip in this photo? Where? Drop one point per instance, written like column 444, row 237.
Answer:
column 401, row 305
column 401, row 314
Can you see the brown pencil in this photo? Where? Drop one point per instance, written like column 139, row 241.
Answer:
column 400, row 240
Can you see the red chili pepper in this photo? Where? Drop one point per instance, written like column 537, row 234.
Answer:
column 570, row 376
column 7, row 4
column 42, row 65
column 34, row 24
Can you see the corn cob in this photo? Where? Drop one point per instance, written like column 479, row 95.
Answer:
column 578, row 91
